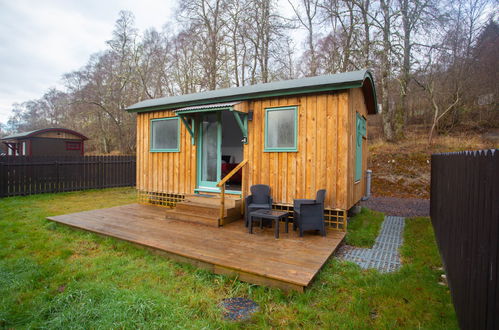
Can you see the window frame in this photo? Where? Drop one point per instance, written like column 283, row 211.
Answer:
column 151, row 149
column 266, row 148
column 358, row 173
column 71, row 145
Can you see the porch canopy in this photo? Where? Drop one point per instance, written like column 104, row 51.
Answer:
column 188, row 116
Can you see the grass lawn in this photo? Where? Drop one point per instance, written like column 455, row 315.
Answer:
column 364, row 228
column 52, row 276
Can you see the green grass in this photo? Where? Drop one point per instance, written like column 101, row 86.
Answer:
column 52, row 276
column 363, row 228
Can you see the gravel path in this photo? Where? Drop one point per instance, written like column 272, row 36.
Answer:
column 402, row 207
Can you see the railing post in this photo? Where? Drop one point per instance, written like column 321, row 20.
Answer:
column 221, row 184
column 222, row 205
column 242, row 202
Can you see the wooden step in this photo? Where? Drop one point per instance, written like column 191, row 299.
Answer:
column 206, row 209
column 175, row 214
column 215, row 200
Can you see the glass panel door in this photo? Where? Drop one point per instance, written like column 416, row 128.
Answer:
column 209, row 157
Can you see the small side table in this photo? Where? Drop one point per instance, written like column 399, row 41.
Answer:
column 268, row 214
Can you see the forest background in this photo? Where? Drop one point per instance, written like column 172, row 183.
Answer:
column 435, row 63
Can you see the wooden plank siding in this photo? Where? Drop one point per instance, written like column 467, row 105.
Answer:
column 167, row 172
column 325, row 156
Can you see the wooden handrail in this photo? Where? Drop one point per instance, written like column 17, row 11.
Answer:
column 231, row 173
column 221, row 184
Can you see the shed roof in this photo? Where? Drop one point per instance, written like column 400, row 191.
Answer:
column 29, row 134
column 340, row 81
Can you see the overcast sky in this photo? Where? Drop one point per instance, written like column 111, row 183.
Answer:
column 42, row 40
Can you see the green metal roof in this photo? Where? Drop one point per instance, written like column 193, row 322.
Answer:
column 340, row 81
column 19, row 135
column 43, row 130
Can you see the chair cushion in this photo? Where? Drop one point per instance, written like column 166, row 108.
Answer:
column 259, row 206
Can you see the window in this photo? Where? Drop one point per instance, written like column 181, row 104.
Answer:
column 281, row 129
column 165, row 135
column 359, row 136
column 73, row 145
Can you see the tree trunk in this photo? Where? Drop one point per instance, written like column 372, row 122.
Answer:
column 367, row 28
column 401, row 111
column 385, row 74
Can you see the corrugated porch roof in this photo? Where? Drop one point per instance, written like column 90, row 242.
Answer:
column 207, row 107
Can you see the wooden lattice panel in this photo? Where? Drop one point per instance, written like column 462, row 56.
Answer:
column 334, row 218
column 159, row 198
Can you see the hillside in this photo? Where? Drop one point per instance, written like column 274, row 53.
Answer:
column 403, row 169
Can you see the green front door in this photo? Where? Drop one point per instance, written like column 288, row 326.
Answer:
column 209, row 151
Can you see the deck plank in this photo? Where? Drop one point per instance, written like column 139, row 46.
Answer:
column 291, row 260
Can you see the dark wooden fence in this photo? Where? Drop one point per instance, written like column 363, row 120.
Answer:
column 465, row 216
column 35, row 175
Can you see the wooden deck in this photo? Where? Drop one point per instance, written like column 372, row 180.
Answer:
column 289, row 262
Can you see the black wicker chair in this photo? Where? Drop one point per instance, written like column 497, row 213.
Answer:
column 259, row 199
column 309, row 213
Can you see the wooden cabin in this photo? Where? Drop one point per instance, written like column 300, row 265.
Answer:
column 46, row 142
column 297, row 136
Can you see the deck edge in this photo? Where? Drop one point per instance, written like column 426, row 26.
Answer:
column 242, row 275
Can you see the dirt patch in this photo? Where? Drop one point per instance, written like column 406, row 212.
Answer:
column 403, row 169
column 401, row 175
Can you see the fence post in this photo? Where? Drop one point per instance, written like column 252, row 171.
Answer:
column 56, row 176
column 3, row 175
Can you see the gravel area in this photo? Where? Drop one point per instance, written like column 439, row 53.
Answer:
column 402, row 207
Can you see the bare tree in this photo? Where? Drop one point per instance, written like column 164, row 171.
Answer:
column 414, row 14
column 206, row 17
column 187, row 74
column 442, row 101
column 364, row 7
column 445, row 77
column 385, row 25
column 152, row 64
column 432, row 61
column 343, row 17
column 237, row 21
column 307, row 19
